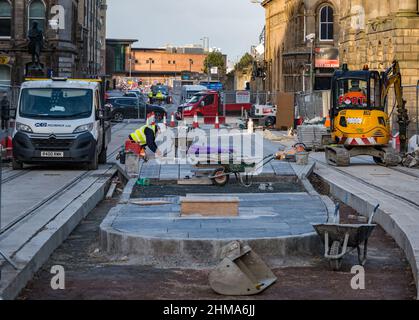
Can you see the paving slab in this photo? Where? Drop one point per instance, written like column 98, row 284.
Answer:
column 35, row 236
column 363, row 186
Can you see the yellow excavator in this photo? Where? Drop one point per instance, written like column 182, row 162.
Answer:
column 360, row 122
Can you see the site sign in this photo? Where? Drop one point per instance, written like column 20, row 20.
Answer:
column 327, row 57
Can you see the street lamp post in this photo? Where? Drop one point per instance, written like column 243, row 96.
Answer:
column 311, row 38
column 206, row 42
column 150, row 61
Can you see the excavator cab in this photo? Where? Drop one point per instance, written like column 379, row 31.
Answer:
column 360, row 123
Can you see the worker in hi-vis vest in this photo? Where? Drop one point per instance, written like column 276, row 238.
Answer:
column 146, row 137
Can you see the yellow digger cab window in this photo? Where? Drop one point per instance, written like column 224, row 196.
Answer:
column 352, row 94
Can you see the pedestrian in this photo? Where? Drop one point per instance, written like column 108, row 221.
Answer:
column 146, row 137
column 4, row 111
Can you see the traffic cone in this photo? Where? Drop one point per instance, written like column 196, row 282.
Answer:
column 327, row 123
column 195, row 121
column 165, row 120
column 217, row 122
column 172, row 120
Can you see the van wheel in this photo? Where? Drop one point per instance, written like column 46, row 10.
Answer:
column 17, row 165
column 103, row 156
column 94, row 164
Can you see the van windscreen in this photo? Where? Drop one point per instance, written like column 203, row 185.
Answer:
column 56, row 103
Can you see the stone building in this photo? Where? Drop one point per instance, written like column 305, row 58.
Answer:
column 377, row 32
column 73, row 49
column 356, row 32
column 288, row 51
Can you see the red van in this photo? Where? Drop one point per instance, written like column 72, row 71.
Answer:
column 208, row 104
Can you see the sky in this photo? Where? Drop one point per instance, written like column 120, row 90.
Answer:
column 232, row 25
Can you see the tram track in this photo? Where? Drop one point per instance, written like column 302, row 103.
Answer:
column 380, row 189
column 56, row 194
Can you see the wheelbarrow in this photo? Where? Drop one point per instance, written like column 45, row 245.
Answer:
column 243, row 171
column 341, row 239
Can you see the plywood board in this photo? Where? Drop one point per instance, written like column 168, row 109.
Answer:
column 210, row 207
column 286, row 112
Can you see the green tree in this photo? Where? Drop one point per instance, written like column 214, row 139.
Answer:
column 245, row 62
column 214, row 59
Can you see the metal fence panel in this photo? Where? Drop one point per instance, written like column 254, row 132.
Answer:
column 262, row 98
column 411, row 95
column 313, row 105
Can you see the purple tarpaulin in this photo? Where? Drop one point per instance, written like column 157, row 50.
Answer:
column 197, row 150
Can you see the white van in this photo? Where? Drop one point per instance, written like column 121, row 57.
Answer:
column 61, row 121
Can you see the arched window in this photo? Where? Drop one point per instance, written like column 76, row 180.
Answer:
column 4, row 76
column 5, row 18
column 326, row 23
column 37, row 13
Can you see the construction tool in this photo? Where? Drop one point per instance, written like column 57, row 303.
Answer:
column 340, row 239
column 360, row 123
column 241, row 272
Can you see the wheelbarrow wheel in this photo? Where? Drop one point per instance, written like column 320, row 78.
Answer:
column 335, row 264
column 220, row 178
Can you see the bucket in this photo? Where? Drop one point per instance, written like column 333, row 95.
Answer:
column 301, row 158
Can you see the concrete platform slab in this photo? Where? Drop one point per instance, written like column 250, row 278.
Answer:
column 363, row 186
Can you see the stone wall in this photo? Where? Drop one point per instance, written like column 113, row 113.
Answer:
column 287, row 52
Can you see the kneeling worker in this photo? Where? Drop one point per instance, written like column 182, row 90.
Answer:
column 146, row 137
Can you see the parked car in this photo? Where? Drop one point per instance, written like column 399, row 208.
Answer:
column 133, row 108
column 113, row 94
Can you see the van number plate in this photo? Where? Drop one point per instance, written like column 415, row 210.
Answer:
column 52, row 154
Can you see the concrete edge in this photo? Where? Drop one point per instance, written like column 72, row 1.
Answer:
column 197, row 253
column 37, row 251
column 385, row 220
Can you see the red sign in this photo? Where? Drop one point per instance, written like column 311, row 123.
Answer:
column 327, row 57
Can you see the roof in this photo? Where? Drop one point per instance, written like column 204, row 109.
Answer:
column 121, row 41
column 357, row 74
column 68, row 84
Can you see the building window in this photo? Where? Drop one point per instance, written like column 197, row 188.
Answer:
column 37, row 13
column 326, row 23
column 5, row 18
column 4, row 76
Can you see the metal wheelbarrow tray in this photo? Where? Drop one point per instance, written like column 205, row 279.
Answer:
column 243, row 168
column 341, row 239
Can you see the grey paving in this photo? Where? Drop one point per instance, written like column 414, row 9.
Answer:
column 33, row 239
column 277, row 214
column 362, row 186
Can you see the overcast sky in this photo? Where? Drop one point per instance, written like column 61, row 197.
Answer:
column 232, row 25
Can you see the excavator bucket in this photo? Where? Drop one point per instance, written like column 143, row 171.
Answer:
column 241, row 272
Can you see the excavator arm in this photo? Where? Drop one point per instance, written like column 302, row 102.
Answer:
column 392, row 77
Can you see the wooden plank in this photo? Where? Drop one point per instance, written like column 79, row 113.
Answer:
column 111, row 191
column 210, row 207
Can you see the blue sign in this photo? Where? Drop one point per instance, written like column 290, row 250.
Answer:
column 217, row 86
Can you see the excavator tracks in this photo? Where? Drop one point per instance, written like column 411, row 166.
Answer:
column 338, row 156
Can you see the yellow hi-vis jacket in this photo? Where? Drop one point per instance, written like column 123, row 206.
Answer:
column 139, row 134
column 160, row 96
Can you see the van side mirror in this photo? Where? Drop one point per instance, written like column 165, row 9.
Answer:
column 202, row 103
column 104, row 113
